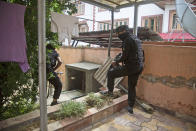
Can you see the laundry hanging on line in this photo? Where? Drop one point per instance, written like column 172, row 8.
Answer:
column 12, row 35
column 66, row 26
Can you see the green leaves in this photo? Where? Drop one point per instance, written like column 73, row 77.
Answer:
column 16, row 87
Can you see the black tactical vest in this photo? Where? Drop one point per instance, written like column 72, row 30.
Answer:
column 52, row 59
column 136, row 55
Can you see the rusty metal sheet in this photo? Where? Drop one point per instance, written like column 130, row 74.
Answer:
column 101, row 74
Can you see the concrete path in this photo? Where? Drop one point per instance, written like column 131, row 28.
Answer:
column 141, row 121
column 66, row 95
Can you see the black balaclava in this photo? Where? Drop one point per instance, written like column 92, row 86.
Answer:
column 123, row 36
column 123, row 28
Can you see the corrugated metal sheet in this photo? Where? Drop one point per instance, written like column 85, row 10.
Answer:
column 101, row 74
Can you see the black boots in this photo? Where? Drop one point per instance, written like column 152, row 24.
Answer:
column 107, row 93
column 54, row 103
column 130, row 109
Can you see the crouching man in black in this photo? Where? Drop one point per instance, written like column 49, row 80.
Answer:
column 53, row 63
column 132, row 64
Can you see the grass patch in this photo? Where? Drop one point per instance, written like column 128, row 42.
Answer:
column 71, row 108
column 99, row 101
column 94, row 101
column 67, row 109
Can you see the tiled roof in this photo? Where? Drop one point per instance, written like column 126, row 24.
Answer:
column 177, row 36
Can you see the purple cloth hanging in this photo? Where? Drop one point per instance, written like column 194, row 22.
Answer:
column 12, row 35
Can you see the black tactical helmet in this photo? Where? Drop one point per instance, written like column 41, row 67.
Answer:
column 122, row 28
column 50, row 47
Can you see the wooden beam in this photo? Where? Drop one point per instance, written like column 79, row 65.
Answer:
column 130, row 1
column 112, row 2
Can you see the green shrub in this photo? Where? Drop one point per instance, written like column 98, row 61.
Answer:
column 94, row 101
column 21, row 107
column 16, row 85
column 72, row 108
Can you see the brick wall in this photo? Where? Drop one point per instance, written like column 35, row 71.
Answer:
column 168, row 79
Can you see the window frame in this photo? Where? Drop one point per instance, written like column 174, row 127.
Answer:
column 157, row 20
column 83, row 24
column 82, row 7
column 101, row 9
column 170, row 27
column 116, row 24
column 171, row 22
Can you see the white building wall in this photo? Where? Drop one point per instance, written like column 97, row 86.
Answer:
column 96, row 24
column 143, row 10
column 101, row 16
column 126, row 13
column 123, row 13
column 88, row 14
column 148, row 10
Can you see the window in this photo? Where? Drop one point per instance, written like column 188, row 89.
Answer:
column 108, row 26
column 116, row 24
column 101, row 26
column 153, row 22
column 146, row 23
column 173, row 23
column 105, row 26
column 120, row 22
column 83, row 27
column 80, row 8
column 158, row 25
column 101, row 9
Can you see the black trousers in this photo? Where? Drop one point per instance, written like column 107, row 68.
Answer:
column 132, row 73
column 56, row 82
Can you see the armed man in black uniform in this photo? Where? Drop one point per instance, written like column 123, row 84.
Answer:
column 53, row 63
column 132, row 64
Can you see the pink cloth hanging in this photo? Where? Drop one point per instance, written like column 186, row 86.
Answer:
column 12, row 35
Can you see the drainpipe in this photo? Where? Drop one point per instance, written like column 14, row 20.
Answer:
column 111, row 32
column 135, row 19
column 42, row 65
